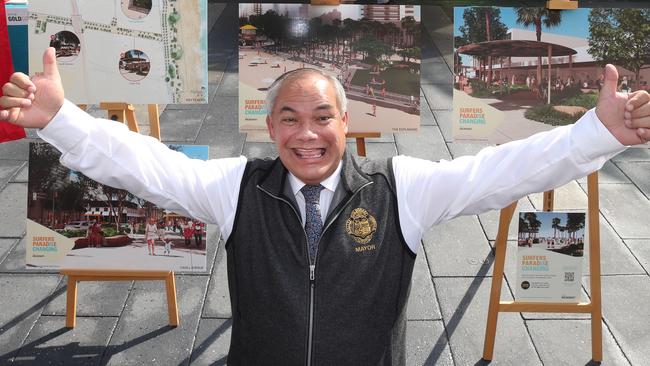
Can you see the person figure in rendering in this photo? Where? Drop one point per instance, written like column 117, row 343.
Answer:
column 198, row 233
column 94, row 235
column 188, row 233
column 320, row 245
column 150, row 232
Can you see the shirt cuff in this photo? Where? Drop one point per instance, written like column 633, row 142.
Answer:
column 592, row 139
column 68, row 127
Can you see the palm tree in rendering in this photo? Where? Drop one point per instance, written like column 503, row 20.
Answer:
column 537, row 17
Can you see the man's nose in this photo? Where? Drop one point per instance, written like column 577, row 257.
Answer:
column 307, row 131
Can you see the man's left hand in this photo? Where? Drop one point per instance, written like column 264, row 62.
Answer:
column 626, row 116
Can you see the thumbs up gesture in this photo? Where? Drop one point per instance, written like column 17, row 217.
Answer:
column 626, row 116
column 33, row 102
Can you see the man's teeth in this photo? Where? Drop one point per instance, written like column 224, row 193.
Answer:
column 310, row 153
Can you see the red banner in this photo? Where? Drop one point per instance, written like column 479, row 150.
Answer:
column 8, row 131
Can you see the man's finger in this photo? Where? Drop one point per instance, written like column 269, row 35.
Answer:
column 10, row 115
column 12, row 90
column 642, row 122
column 22, row 81
column 641, row 111
column 637, row 99
column 50, row 67
column 610, row 83
column 7, row 102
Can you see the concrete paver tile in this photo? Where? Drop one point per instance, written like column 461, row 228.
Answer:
column 641, row 250
column 568, row 342
column 426, row 116
column 5, row 247
column 144, row 325
column 15, row 150
column 490, row 220
column 23, row 298
column 13, row 209
column 464, row 305
column 443, row 118
column 22, row 175
column 7, row 169
column 627, row 209
column 212, row 342
column 439, row 96
column 181, row 124
column 427, row 144
column 427, row 344
column 217, row 301
column 609, row 173
column 626, row 313
column 53, row 344
column 458, row 248
column 639, row 174
column 101, row 298
column 422, row 303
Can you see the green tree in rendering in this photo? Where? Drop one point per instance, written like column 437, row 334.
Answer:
column 620, row 36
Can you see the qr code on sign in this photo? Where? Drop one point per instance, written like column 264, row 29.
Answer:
column 569, row 276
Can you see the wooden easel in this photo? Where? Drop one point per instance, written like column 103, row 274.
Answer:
column 594, row 307
column 122, row 112
column 125, row 112
column 562, row 4
column 361, row 140
column 78, row 275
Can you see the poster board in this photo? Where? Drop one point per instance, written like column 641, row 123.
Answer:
column 75, row 222
column 514, row 104
column 136, row 51
column 379, row 68
column 550, row 256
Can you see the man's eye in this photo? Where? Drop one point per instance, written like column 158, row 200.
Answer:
column 289, row 120
column 325, row 118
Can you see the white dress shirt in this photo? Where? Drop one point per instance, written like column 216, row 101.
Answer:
column 428, row 192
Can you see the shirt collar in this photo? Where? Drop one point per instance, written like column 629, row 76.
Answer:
column 330, row 183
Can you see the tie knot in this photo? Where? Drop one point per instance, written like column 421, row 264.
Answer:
column 311, row 193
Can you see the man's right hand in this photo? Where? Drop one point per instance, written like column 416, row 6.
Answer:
column 33, row 102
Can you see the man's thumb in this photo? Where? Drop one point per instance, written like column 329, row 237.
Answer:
column 610, row 83
column 50, row 67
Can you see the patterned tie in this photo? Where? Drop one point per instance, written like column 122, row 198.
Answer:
column 313, row 221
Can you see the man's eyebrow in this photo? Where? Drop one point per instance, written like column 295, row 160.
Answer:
column 287, row 109
column 324, row 106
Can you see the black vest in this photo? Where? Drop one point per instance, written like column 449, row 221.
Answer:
column 361, row 280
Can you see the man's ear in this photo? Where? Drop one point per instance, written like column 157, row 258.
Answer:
column 269, row 126
column 345, row 122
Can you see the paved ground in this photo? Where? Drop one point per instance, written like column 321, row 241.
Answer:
column 125, row 323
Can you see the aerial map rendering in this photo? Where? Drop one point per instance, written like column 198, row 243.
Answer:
column 134, row 51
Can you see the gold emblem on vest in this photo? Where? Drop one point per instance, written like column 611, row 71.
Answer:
column 361, row 225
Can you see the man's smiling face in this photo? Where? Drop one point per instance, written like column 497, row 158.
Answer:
column 308, row 128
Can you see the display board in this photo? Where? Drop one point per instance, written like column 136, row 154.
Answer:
column 550, row 256
column 373, row 50
column 76, row 222
column 135, row 51
column 514, row 78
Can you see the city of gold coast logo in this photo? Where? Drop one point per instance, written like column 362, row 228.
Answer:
column 361, row 225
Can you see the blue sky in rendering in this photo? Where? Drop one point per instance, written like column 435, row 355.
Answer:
column 546, row 230
column 574, row 22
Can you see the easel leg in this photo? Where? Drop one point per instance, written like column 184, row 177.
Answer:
column 594, row 268
column 171, row 300
column 154, row 121
column 497, row 276
column 71, row 303
column 361, row 146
